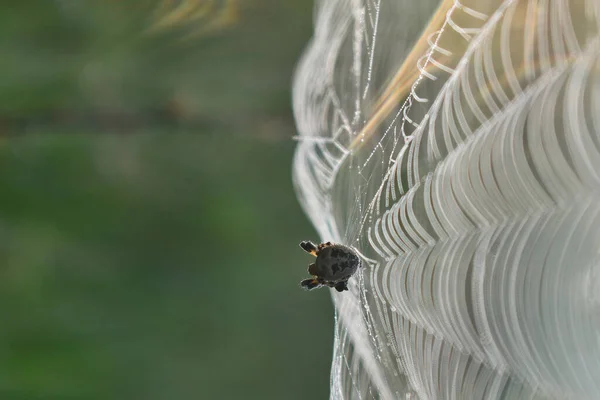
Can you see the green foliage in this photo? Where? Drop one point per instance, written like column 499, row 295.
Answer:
column 165, row 264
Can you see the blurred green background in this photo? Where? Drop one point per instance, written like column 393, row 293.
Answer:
column 148, row 226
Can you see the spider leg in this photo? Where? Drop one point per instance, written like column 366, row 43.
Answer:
column 341, row 286
column 309, row 247
column 324, row 245
column 310, row 284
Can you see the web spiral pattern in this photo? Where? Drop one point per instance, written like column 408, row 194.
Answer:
column 457, row 147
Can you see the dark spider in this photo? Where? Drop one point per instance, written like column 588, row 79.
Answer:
column 335, row 264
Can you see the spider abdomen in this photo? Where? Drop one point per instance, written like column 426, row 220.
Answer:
column 336, row 263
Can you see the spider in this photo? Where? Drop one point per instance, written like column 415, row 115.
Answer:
column 335, row 264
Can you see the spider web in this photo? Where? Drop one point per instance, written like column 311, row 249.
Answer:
column 456, row 146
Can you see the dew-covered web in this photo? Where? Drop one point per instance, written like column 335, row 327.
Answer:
column 456, row 146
